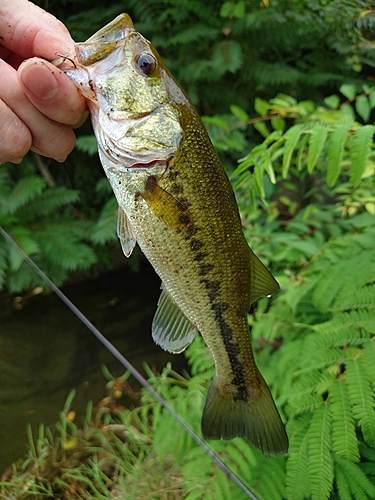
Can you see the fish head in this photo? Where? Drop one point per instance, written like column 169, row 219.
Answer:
column 135, row 103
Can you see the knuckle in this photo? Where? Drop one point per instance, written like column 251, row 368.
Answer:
column 15, row 137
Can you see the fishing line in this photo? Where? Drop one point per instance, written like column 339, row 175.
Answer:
column 232, row 475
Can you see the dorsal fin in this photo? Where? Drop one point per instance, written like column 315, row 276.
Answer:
column 125, row 233
column 170, row 327
column 262, row 283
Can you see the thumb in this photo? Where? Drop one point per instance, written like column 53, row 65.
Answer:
column 51, row 92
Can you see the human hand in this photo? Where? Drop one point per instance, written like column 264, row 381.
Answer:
column 39, row 105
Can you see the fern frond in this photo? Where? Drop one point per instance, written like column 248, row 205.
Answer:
column 297, row 478
column 48, row 201
column 21, row 279
column 23, row 237
column 269, row 477
column 192, row 34
column 320, row 462
column 61, row 247
column 335, row 150
column 369, row 357
column 25, row 190
column 344, row 439
column 360, row 151
column 105, row 227
column 327, row 289
column 361, row 398
column 302, row 403
column 226, row 56
column 367, row 452
column 342, row 485
column 356, row 481
column 335, row 335
column 347, row 320
column 87, row 143
column 214, row 487
column 316, row 143
column 359, row 298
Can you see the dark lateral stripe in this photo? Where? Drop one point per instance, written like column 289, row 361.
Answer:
column 205, row 269
column 196, row 245
column 190, row 232
column 233, row 351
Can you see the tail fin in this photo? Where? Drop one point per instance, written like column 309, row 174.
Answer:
column 256, row 420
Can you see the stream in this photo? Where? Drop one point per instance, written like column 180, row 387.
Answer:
column 45, row 350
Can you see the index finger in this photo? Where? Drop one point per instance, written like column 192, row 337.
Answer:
column 29, row 31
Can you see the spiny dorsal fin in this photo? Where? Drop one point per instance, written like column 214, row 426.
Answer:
column 170, row 327
column 125, row 233
column 262, row 282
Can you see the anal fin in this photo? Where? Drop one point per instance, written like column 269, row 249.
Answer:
column 170, row 327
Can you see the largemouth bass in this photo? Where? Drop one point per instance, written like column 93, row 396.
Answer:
column 175, row 200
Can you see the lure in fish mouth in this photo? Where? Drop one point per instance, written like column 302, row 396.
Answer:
column 176, row 202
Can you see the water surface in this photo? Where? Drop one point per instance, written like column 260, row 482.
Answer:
column 45, row 351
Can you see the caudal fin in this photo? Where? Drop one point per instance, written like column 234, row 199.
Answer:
column 256, row 420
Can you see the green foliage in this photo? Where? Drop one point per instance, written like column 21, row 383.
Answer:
column 41, row 221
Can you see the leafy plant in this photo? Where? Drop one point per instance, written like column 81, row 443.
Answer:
column 44, row 223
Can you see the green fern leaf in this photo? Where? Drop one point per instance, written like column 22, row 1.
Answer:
column 359, row 298
column 192, row 33
column 360, row 151
column 367, row 452
column 226, row 56
column 320, row 463
column 344, row 439
column 297, row 478
column 48, row 201
column 342, row 485
column 269, row 477
column 291, row 139
column 105, row 228
column 356, row 481
column 25, row 190
column 358, row 319
column 87, row 144
column 23, row 237
column 62, row 247
column 21, row 279
column 361, row 397
column 335, row 151
column 316, row 143
column 333, row 334
column 369, row 357
column 327, row 288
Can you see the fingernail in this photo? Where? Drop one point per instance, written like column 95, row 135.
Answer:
column 39, row 80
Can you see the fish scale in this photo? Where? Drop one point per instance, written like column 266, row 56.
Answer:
column 176, row 201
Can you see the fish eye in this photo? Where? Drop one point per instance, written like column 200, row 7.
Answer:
column 146, row 63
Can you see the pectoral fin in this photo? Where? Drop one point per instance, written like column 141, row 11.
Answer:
column 262, row 282
column 170, row 327
column 165, row 206
column 125, row 233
